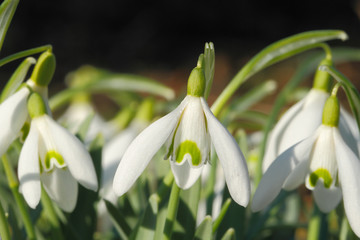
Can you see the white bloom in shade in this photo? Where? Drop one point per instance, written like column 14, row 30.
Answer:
column 190, row 129
column 327, row 165
column 56, row 158
column 298, row 123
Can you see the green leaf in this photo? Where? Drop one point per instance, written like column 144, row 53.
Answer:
column 110, row 83
column 17, row 78
column 7, row 10
column 221, row 216
column 229, row 235
column 84, row 127
column 352, row 94
column 204, row 231
column 118, row 220
column 274, row 53
column 209, row 66
column 147, row 224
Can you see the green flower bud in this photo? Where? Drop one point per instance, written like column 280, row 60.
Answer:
column 331, row 112
column 36, row 105
column 196, row 82
column 322, row 79
column 44, row 69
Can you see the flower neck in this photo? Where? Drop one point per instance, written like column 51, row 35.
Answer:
column 196, row 82
column 322, row 79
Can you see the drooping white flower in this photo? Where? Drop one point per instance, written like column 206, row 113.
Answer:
column 298, row 123
column 189, row 129
column 13, row 111
column 327, row 165
column 54, row 157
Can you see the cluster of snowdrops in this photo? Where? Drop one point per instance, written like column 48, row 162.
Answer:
column 49, row 164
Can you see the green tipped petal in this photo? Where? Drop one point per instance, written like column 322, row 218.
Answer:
column 188, row 147
column 320, row 173
column 44, row 69
column 52, row 157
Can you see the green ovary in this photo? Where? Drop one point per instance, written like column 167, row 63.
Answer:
column 321, row 173
column 188, row 147
column 53, row 156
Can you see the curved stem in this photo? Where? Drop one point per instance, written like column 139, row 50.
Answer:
column 14, row 186
column 24, row 53
column 172, row 211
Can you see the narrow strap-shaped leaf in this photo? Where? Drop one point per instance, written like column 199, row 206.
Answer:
column 17, row 78
column 7, row 10
column 114, row 83
column 118, row 220
column 229, row 235
column 276, row 52
column 352, row 93
column 221, row 216
column 204, row 231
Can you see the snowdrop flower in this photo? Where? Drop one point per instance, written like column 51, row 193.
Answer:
column 55, row 157
column 189, row 131
column 302, row 119
column 326, row 163
column 13, row 110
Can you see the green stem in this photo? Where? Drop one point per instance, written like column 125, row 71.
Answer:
column 316, row 225
column 4, row 226
column 24, row 53
column 247, row 71
column 49, row 210
column 14, row 186
column 172, row 211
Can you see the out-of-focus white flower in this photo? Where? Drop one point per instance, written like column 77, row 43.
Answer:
column 53, row 156
column 189, row 129
column 326, row 163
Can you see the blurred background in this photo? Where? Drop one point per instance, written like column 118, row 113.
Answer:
column 162, row 39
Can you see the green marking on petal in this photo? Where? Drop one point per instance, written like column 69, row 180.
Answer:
column 188, row 147
column 53, row 156
column 321, row 173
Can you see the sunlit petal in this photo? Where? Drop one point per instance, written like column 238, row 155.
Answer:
column 349, row 172
column 278, row 172
column 143, row 148
column 75, row 155
column 61, row 187
column 13, row 114
column 231, row 158
column 29, row 169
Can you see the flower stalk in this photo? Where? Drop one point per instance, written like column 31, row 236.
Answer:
column 14, row 186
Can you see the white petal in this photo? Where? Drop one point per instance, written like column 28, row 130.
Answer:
column 231, row 158
column 75, row 155
column 29, row 169
column 13, row 112
column 143, row 148
column 185, row 175
column 298, row 123
column 297, row 175
column 61, row 187
column 349, row 171
column 326, row 198
column 274, row 178
column 113, row 152
column 346, row 128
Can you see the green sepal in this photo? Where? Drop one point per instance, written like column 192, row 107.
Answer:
column 189, row 147
column 322, row 79
column 331, row 112
column 320, row 173
column 36, row 105
column 44, row 69
column 196, row 82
